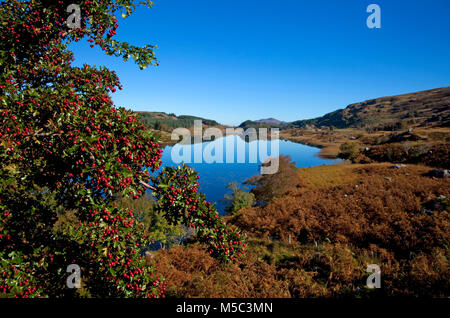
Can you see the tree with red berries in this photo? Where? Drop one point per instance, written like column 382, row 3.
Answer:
column 67, row 152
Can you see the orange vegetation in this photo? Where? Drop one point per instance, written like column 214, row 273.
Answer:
column 317, row 240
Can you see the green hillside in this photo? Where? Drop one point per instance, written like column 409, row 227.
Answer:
column 258, row 124
column 168, row 122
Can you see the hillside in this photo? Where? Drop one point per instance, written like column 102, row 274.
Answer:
column 430, row 108
column 263, row 123
column 271, row 121
column 167, row 122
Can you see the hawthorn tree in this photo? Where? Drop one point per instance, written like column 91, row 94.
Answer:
column 67, row 152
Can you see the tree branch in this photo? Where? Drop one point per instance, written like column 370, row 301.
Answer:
column 147, row 185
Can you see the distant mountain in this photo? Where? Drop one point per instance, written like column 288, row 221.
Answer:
column 429, row 108
column 168, row 122
column 271, row 121
column 263, row 123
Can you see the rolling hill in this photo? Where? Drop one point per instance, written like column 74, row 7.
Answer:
column 271, row 121
column 430, row 108
column 263, row 123
column 167, row 122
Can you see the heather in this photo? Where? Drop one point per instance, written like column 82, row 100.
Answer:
column 317, row 240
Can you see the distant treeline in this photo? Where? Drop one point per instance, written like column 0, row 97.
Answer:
column 255, row 124
column 168, row 122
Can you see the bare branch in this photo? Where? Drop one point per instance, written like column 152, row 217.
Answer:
column 147, row 185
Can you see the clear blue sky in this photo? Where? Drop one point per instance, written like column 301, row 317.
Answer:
column 289, row 59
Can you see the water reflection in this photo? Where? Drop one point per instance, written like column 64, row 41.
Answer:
column 234, row 159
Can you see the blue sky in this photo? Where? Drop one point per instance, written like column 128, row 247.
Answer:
column 289, row 59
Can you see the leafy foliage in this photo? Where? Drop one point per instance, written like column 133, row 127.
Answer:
column 163, row 233
column 178, row 198
column 238, row 199
column 349, row 151
column 168, row 122
column 67, row 151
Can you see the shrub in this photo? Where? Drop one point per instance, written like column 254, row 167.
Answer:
column 349, row 151
column 238, row 199
column 270, row 186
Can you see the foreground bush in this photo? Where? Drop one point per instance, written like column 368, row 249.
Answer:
column 349, row 151
column 67, row 153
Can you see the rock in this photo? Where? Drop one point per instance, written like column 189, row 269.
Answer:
column 149, row 254
column 398, row 166
column 437, row 205
column 438, row 173
column 427, row 211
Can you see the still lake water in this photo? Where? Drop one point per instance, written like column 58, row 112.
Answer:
column 214, row 177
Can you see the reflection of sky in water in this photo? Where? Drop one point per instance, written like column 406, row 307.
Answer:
column 214, row 177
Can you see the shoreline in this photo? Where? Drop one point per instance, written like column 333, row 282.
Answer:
column 326, row 151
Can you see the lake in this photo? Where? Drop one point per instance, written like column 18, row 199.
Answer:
column 214, row 177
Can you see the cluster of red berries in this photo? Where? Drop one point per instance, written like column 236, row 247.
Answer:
column 178, row 197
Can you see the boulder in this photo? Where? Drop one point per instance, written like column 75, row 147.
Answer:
column 398, row 166
column 439, row 173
